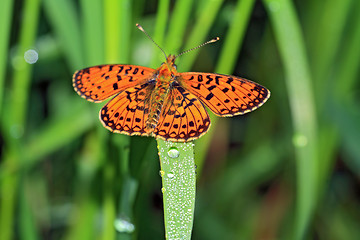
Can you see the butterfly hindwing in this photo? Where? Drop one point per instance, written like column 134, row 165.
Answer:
column 225, row 95
column 127, row 112
column 183, row 117
column 101, row 82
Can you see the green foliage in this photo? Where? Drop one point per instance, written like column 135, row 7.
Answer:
column 289, row 170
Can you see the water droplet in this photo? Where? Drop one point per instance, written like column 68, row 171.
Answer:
column 31, row 56
column 163, row 189
column 300, row 140
column 162, row 173
column 124, row 226
column 170, row 175
column 173, row 152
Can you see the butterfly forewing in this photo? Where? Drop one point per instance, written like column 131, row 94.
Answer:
column 225, row 95
column 101, row 82
column 183, row 117
column 128, row 111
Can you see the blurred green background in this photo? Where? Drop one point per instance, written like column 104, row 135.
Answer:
column 289, row 170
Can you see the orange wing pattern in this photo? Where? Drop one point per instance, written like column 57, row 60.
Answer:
column 183, row 117
column 225, row 95
column 178, row 97
column 98, row 83
column 127, row 112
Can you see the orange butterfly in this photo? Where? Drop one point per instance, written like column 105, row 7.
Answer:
column 164, row 103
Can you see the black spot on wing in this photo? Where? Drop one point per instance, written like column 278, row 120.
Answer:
column 209, row 96
column 211, row 87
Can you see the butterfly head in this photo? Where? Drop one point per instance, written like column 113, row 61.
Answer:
column 168, row 68
column 170, row 62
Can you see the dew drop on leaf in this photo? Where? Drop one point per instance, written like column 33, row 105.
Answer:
column 124, row 226
column 170, row 175
column 300, row 140
column 173, row 152
column 31, row 56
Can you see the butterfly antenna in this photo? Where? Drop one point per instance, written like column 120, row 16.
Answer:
column 211, row 41
column 142, row 29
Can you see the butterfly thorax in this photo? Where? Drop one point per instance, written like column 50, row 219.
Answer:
column 165, row 75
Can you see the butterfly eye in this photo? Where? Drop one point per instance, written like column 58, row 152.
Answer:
column 175, row 67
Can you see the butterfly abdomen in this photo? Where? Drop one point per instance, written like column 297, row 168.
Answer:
column 157, row 98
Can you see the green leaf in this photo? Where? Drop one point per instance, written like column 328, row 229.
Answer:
column 179, row 184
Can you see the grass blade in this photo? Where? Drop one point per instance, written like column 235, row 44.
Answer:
column 23, row 72
column 177, row 26
column 327, row 41
column 18, row 112
column 92, row 31
column 292, row 51
column 109, row 209
column 160, row 27
column 117, row 27
column 5, row 23
column 349, row 59
column 200, row 32
column 67, row 29
column 234, row 37
column 179, row 184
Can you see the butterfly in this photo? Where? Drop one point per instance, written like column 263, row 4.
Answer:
column 162, row 102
